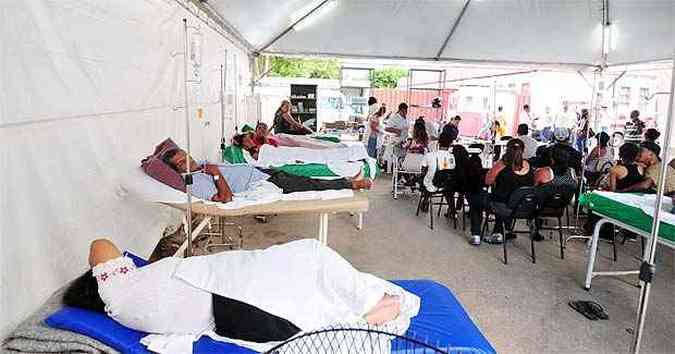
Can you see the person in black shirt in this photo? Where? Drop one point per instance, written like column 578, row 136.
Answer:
column 285, row 123
column 452, row 128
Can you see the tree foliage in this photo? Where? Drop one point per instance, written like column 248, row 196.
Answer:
column 388, row 77
column 307, row 68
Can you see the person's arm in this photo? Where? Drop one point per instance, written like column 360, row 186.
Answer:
column 374, row 125
column 645, row 184
column 614, row 173
column 101, row 251
column 491, row 176
column 224, row 194
column 290, row 120
column 393, row 130
column 541, row 176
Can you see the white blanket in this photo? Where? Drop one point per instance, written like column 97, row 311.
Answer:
column 315, row 288
column 270, row 156
column 644, row 202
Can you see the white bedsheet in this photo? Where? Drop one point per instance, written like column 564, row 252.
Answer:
column 332, row 291
column 645, row 203
column 270, row 156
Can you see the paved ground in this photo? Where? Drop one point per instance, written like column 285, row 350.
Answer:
column 521, row 307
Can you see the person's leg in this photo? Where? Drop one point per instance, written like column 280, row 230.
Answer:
column 372, row 146
column 477, row 204
column 291, row 183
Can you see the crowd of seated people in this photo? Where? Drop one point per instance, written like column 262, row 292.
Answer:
column 556, row 166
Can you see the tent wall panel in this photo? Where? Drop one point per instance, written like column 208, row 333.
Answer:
column 87, row 88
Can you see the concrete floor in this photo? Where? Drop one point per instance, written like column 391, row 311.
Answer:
column 520, row 307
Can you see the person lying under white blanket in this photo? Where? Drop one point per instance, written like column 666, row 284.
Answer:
column 253, row 298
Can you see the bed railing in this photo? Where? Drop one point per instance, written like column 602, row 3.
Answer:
column 366, row 340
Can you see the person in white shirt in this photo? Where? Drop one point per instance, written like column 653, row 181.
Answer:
column 566, row 119
column 398, row 124
column 436, row 161
column 526, row 117
column 545, row 125
column 188, row 296
column 531, row 145
column 431, row 127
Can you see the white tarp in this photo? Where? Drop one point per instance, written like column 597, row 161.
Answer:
column 536, row 31
column 87, row 88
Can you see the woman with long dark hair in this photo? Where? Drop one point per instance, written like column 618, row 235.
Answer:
column 285, row 123
column 250, row 296
column 507, row 175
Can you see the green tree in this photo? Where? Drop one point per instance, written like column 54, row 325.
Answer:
column 307, row 68
column 388, row 77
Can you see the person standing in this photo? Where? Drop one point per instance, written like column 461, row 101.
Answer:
column 452, row 128
column 566, row 118
column 500, row 119
column 634, row 128
column 545, row 125
column 399, row 126
column 527, row 118
column 583, row 131
column 374, row 131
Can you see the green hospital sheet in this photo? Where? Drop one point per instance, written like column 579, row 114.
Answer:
column 330, row 138
column 627, row 214
column 234, row 154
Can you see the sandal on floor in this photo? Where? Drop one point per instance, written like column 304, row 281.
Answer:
column 590, row 309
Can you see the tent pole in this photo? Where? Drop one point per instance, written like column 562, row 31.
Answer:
column 453, row 29
column 235, row 79
column 596, row 112
column 222, row 113
column 188, row 175
column 647, row 269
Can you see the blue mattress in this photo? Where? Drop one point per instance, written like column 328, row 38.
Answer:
column 441, row 322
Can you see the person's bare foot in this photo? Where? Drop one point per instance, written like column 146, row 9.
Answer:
column 387, row 309
column 362, row 184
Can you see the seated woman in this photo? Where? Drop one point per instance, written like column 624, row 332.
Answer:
column 599, row 160
column 251, row 296
column 285, row 123
column 625, row 174
column 219, row 182
column 557, row 178
column 420, row 141
column 507, row 175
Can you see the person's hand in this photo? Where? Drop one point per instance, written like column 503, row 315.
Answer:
column 212, row 170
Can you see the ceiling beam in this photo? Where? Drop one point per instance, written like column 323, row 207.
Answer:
column 453, row 29
column 568, row 65
column 207, row 14
column 290, row 28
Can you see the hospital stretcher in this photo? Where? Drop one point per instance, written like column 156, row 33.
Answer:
column 358, row 204
column 441, row 321
column 617, row 210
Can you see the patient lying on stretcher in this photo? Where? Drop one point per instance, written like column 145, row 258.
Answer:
column 219, row 182
column 256, row 296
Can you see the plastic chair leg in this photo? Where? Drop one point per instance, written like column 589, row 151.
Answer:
column 536, row 230
column 562, row 245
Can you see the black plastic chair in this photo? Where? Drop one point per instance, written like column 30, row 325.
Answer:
column 554, row 206
column 477, row 146
column 438, row 198
column 523, row 204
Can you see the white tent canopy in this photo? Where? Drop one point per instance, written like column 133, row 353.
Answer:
column 87, row 88
column 536, row 31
